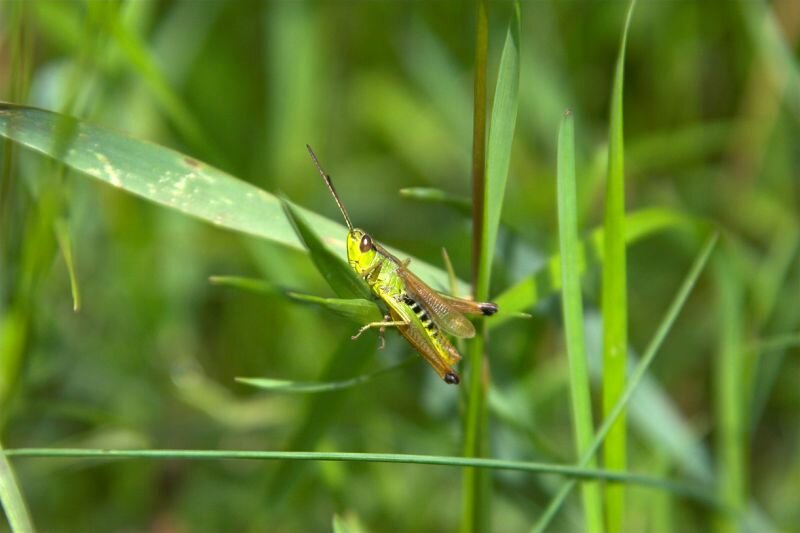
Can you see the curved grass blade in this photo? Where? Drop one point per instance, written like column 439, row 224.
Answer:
column 174, row 180
column 636, row 377
column 11, row 498
column 580, row 391
column 547, row 281
column 614, row 291
column 280, row 385
column 142, row 61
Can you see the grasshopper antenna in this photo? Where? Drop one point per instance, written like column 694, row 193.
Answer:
column 329, row 183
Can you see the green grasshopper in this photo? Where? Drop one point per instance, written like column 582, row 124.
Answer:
column 421, row 314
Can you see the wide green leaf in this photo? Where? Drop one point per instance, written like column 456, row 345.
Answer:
column 172, row 179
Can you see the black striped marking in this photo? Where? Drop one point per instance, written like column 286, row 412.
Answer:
column 421, row 313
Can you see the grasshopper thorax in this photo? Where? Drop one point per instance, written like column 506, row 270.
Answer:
column 361, row 250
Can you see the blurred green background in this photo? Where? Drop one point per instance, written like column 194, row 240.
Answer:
column 383, row 91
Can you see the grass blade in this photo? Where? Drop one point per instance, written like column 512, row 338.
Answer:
column 501, row 136
column 614, row 291
column 356, row 309
column 280, row 385
column 636, row 376
column 11, row 498
column 580, row 392
column 337, row 273
column 691, row 491
column 546, row 281
column 731, row 392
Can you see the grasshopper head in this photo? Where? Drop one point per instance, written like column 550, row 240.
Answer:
column 360, row 250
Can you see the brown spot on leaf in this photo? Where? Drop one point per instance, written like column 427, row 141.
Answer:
column 194, row 163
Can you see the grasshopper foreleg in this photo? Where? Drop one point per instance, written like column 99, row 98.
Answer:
column 382, row 325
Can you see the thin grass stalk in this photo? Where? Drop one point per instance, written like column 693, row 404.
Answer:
column 691, row 491
column 572, row 307
column 614, row 292
column 729, row 389
column 472, row 518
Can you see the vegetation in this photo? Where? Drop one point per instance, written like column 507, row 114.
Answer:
column 165, row 372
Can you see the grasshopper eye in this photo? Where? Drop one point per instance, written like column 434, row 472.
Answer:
column 366, row 244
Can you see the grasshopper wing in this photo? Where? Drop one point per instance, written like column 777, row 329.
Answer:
column 470, row 307
column 440, row 308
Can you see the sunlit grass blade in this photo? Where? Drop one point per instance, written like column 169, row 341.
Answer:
column 694, row 492
column 177, row 181
column 336, row 272
column 11, row 498
column 572, row 307
column 636, row 376
column 614, row 291
column 281, row 385
column 531, row 290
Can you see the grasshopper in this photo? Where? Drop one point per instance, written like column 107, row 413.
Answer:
column 421, row 314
